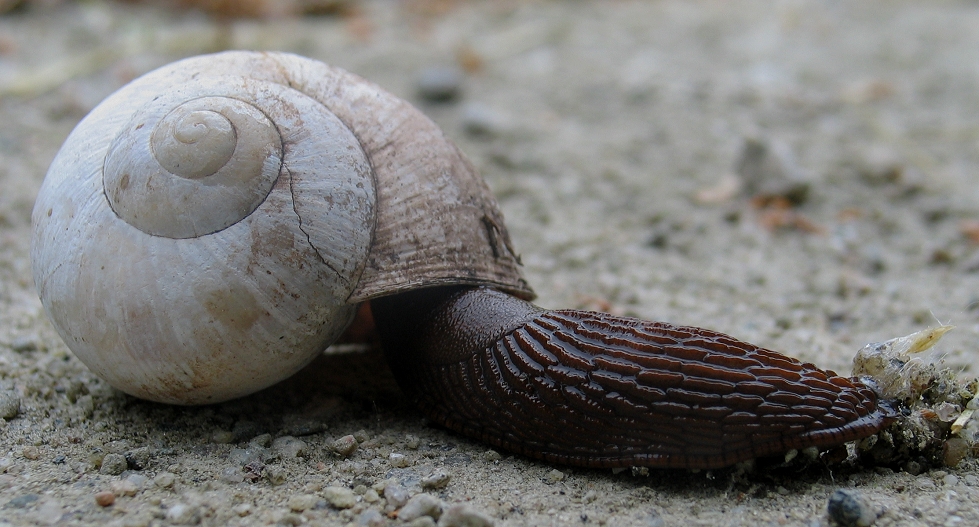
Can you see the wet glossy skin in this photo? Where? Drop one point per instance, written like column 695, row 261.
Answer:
column 592, row 389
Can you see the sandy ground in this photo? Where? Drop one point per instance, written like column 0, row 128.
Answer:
column 609, row 132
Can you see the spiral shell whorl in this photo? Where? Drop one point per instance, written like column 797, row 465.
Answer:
column 186, row 166
column 194, row 143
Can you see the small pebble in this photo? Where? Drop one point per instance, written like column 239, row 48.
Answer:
column 24, row 344
column 371, row 517
column 31, row 452
column 105, row 498
column 849, row 508
column 492, row 455
column 361, row 436
column 164, row 480
column 913, row 467
column 9, row 404
column 381, row 483
column 954, row 451
column 288, row 447
column 420, row 505
column 340, row 497
column 138, row 458
column 113, row 464
column 438, row 480
column 138, row 479
column 183, row 514
column 302, row 502
column 481, row 121
column 371, row 496
column 396, row 495
column 439, row 83
column 275, row 474
column 461, row 515
column 412, row 442
column 398, row 460
column 345, row 446
column 950, row 480
column 555, row 476
column 768, row 168
column 123, row 487
column 925, row 483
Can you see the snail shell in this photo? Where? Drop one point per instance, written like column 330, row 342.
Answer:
column 209, row 228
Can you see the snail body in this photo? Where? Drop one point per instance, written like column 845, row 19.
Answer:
column 210, row 228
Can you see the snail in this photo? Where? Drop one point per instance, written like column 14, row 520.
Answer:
column 211, row 227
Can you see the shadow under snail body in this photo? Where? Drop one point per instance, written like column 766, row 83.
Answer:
column 210, row 228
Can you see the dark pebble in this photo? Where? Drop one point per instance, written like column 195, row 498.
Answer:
column 439, row 83
column 848, row 508
column 138, row 458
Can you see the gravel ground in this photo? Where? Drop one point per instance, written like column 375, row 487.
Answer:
column 615, row 135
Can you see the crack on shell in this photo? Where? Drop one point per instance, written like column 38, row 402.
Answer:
column 309, row 240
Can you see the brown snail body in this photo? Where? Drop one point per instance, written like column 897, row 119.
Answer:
column 592, row 389
column 178, row 297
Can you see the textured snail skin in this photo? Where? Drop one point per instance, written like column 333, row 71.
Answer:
column 596, row 390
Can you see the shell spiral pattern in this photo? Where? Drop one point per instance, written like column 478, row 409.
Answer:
column 189, row 228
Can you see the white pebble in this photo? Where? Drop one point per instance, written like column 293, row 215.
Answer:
column 398, row 460
column 438, row 480
column 183, row 514
column 396, row 495
column 420, row 505
column 302, row 502
column 123, row 488
column 340, row 497
column 164, row 480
